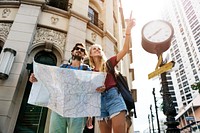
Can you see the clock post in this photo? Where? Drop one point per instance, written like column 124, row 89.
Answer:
column 156, row 39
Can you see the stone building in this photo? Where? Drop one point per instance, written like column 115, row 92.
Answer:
column 46, row 31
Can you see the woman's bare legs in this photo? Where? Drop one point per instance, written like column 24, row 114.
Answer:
column 105, row 126
column 119, row 122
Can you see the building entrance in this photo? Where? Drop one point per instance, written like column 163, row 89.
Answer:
column 32, row 119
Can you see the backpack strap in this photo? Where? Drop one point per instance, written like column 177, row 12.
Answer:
column 65, row 65
column 110, row 67
column 85, row 67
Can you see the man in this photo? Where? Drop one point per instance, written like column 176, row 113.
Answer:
column 59, row 124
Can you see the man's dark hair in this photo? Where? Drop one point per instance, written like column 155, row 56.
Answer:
column 79, row 44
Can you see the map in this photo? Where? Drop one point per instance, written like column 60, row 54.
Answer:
column 70, row 93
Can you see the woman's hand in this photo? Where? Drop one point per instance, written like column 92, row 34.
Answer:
column 125, row 50
column 32, row 78
column 130, row 24
column 101, row 89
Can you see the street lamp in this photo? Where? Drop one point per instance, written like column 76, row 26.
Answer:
column 168, row 107
column 156, row 39
column 6, row 62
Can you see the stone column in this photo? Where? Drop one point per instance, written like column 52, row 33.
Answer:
column 77, row 26
column 19, row 38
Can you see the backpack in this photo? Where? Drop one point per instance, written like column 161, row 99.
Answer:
column 123, row 88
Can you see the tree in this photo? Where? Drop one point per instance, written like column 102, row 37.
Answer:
column 196, row 86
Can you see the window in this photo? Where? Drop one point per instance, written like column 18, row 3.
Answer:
column 93, row 15
column 188, row 96
column 196, row 78
column 1, row 45
column 61, row 4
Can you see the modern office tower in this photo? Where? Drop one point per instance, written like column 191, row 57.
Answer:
column 46, row 31
column 171, row 90
column 184, row 15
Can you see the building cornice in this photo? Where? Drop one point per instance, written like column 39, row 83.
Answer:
column 79, row 16
column 33, row 2
column 110, row 36
column 9, row 4
column 56, row 11
column 95, row 29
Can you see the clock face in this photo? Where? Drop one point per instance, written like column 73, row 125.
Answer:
column 157, row 31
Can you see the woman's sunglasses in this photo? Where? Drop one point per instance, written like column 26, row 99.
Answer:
column 82, row 50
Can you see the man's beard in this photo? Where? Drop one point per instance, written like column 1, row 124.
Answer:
column 76, row 57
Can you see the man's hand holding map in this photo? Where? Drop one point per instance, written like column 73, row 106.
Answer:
column 70, row 93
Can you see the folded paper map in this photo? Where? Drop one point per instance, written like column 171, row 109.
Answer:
column 70, row 93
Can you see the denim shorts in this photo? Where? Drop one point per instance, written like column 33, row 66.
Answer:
column 112, row 104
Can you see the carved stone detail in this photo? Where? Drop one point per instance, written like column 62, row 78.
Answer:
column 6, row 12
column 93, row 36
column 54, row 20
column 4, row 30
column 44, row 35
column 48, row 46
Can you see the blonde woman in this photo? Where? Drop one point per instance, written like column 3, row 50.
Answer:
column 113, row 108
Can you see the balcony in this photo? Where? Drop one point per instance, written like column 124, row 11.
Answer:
column 61, row 4
column 94, row 20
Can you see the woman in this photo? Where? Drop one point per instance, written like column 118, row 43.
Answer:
column 113, row 108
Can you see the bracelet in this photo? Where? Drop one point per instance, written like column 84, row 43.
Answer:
column 128, row 34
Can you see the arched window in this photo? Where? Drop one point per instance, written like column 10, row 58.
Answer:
column 1, row 45
column 47, row 58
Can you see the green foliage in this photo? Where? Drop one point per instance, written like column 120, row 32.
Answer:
column 196, row 86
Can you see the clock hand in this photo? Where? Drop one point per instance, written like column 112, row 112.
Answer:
column 155, row 33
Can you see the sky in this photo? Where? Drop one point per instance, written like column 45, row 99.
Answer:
column 143, row 62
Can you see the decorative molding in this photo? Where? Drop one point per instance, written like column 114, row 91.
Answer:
column 4, row 30
column 10, row 4
column 44, row 35
column 33, row 2
column 95, row 29
column 93, row 36
column 110, row 36
column 56, row 11
column 48, row 46
column 6, row 12
column 79, row 16
column 54, row 20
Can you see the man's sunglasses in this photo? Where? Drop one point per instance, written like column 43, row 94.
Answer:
column 82, row 50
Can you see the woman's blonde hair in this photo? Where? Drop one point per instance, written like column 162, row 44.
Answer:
column 103, row 67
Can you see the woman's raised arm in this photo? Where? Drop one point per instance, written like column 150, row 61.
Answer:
column 130, row 25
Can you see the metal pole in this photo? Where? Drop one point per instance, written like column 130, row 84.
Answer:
column 152, row 118
column 168, row 107
column 156, row 110
column 149, row 123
